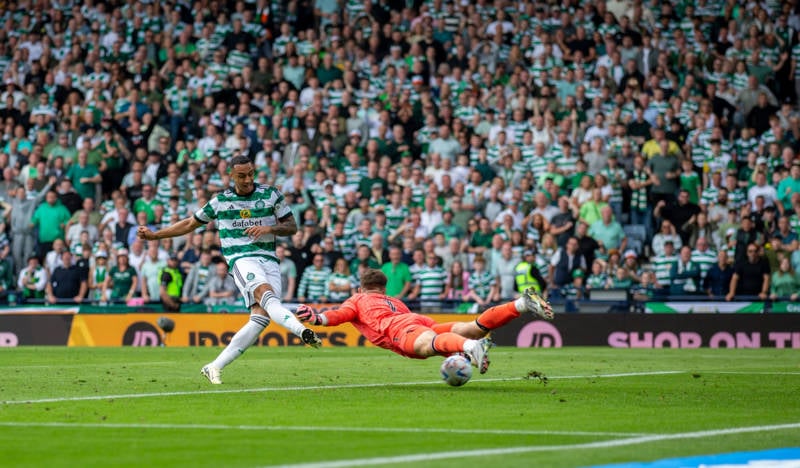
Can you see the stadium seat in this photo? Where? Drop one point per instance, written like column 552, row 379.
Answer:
column 637, row 237
column 636, row 231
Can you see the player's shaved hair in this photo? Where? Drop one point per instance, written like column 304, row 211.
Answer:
column 239, row 159
column 373, row 279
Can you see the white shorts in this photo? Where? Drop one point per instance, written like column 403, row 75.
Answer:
column 249, row 272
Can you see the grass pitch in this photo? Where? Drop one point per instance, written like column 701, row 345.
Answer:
column 364, row 406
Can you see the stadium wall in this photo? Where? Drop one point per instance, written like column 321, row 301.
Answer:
column 664, row 330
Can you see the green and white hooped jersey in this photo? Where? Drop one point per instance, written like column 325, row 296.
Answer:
column 234, row 214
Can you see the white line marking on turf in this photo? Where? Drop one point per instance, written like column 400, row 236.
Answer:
column 423, row 457
column 314, row 428
column 298, row 388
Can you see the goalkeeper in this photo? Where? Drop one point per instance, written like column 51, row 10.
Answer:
column 387, row 322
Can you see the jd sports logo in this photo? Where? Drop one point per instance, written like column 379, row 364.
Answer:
column 539, row 334
column 141, row 334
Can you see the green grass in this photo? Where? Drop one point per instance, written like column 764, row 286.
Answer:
column 282, row 406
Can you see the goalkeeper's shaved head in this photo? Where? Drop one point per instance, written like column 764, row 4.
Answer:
column 373, row 279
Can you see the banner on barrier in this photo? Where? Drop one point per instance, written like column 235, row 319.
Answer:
column 34, row 329
column 199, row 330
column 655, row 331
column 701, row 307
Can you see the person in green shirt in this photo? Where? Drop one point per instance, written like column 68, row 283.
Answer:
column 690, row 181
column 61, row 148
column 51, row 218
column 122, row 279
column 789, row 187
column 399, row 282
column 590, row 211
column 785, row 282
column 84, row 176
column 147, row 203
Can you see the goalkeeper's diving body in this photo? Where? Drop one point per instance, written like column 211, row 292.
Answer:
column 248, row 217
column 387, row 322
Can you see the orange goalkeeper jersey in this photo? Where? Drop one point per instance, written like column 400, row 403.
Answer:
column 379, row 318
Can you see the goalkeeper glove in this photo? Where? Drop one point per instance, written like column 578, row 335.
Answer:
column 306, row 313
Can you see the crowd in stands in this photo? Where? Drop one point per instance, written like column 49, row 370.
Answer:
column 469, row 149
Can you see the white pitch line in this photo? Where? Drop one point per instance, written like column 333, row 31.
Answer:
column 424, row 457
column 299, row 388
column 227, row 427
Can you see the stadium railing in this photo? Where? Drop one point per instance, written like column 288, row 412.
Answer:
column 598, row 301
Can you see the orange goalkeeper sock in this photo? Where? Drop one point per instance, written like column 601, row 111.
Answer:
column 497, row 316
column 440, row 328
column 448, row 343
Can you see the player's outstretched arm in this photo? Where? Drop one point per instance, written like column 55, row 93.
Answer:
column 184, row 226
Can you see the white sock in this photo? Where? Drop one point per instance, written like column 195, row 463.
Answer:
column 242, row 340
column 280, row 314
column 469, row 345
column 520, row 304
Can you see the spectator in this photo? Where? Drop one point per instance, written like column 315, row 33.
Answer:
column 97, row 276
column 341, row 284
column 662, row 266
column 457, row 282
column 66, row 282
column 685, row 274
column 784, row 282
column 288, row 273
column 527, row 274
column 121, row 281
column 482, row 283
column 51, row 218
column 597, row 279
column 171, row 284
column 432, row 280
column 84, row 176
column 743, row 237
column 789, row 188
column 608, row 232
column 150, row 271
column 563, row 224
column 666, row 233
column 314, row 282
column 665, row 169
column 504, row 268
column 220, row 288
column 23, row 236
column 718, row 279
column 678, row 212
column 197, row 278
column 32, row 279
column 399, row 282
column 750, row 276
column 83, row 225
column 564, row 263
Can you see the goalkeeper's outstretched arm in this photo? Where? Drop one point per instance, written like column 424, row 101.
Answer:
column 308, row 314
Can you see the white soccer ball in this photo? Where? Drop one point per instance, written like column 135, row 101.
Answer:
column 456, row 370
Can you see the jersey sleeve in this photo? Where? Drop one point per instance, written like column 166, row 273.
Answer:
column 282, row 209
column 346, row 313
column 208, row 212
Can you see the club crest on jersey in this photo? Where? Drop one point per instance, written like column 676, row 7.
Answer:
column 245, row 214
column 251, row 276
column 260, row 204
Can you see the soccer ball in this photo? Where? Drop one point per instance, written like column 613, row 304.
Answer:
column 456, row 370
